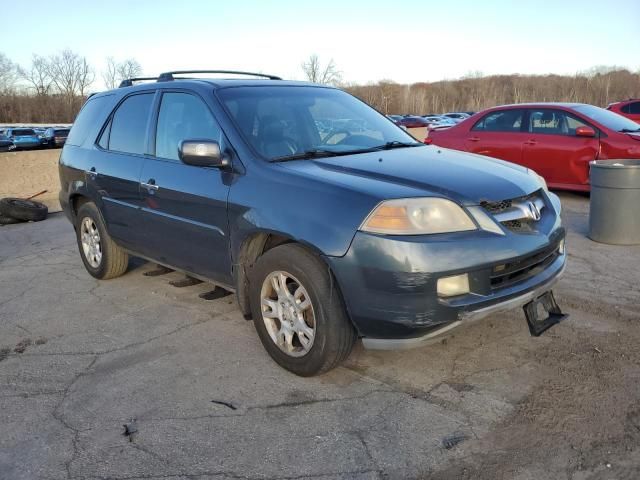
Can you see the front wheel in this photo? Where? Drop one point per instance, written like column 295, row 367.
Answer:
column 298, row 311
column 102, row 258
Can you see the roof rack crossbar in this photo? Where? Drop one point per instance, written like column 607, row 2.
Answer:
column 168, row 76
column 128, row 82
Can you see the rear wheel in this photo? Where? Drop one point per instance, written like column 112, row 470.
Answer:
column 101, row 256
column 298, row 312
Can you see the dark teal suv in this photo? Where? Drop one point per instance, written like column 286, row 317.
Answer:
column 328, row 221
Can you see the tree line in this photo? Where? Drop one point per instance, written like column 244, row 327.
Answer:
column 51, row 89
column 599, row 86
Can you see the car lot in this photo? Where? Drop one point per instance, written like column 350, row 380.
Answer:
column 80, row 358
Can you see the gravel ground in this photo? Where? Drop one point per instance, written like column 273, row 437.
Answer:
column 81, row 358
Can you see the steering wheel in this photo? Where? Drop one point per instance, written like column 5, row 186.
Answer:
column 336, row 131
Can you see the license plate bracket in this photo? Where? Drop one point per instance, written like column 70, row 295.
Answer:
column 542, row 313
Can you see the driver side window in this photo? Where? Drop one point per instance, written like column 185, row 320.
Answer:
column 183, row 116
column 553, row 122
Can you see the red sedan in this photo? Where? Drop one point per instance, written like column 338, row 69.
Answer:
column 557, row 140
column 629, row 108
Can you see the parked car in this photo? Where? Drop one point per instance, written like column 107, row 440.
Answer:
column 557, row 140
column 375, row 236
column 439, row 121
column 413, row 121
column 395, row 118
column 629, row 108
column 6, row 145
column 55, row 137
column 457, row 117
column 23, row 138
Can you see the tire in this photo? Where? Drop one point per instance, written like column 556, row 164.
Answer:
column 25, row 210
column 8, row 220
column 112, row 260
column 326, row 317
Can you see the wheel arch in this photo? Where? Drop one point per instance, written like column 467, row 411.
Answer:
column 251, row 249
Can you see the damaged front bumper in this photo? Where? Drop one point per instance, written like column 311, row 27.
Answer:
column 390, row 284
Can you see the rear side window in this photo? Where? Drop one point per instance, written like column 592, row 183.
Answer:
column 501, row 121
column 91, row 114
column 128, row 128
column 183, row 117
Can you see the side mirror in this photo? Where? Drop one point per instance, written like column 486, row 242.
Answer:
column 202, row 153
column 585, row 132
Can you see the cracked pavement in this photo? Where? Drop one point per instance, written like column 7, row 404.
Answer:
column 80, row 358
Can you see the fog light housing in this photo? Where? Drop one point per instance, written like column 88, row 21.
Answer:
column 561, row 247
column 452, row 286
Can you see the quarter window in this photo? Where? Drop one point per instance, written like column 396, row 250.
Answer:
column 183, row 116
column 501, row 121
column 93, row 111
column 128, row 128
column 553, row 122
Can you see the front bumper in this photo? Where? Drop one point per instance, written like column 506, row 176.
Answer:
column 390, row 284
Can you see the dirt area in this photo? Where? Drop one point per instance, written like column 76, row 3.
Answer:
column 81, row 358
column 25, row 173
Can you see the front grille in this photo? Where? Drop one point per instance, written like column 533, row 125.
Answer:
column 513, row 213
column 507, row 274
column 496, row 207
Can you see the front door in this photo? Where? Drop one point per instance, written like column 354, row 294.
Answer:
column 553, row 150
column 185, row 207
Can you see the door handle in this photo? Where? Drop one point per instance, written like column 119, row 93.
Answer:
column 530, row 142
column 474, row 139
column 150, row 185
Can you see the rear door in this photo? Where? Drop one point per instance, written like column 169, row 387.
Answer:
column 185, row 207
column 553, row 150
column 498, row 134
column 113, row 171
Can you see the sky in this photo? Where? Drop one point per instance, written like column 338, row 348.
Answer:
column 405, row 41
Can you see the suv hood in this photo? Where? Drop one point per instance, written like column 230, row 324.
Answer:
column 424, row 171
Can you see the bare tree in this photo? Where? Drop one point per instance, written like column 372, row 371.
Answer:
column 315, row 72
column 8, row 73
column 71, row 74
column 116, row 72
column 129, row 68
column 38, row 76
column 110, row 74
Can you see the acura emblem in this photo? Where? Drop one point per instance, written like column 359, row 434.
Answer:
column 534, row 212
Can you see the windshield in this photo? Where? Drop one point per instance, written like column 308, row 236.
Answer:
column 608, row 118
column 285, row 122
column 22, row 132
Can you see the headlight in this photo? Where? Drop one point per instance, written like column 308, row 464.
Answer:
column 541, row 180
column 416, row 216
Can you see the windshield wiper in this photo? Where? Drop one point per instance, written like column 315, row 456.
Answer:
column 315, row 153
column 628, row 130
column 396, row 144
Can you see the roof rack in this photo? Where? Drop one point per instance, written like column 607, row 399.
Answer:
column 168, row 76
column 129, row 81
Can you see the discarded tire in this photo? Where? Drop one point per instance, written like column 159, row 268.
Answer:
column 23, row 210
column 8, row 220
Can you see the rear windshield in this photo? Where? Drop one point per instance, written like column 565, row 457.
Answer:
column 61, row 133
column 20, row 132
column 284, row 121
column 607, row 118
